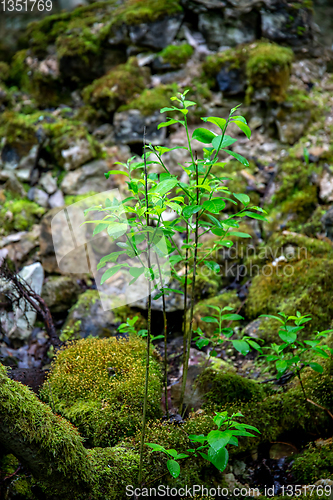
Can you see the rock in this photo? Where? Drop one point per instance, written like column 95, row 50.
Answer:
column 39, row 196
column 280, row 450
column 220, row 31
column 88, row 178
column 60, row 293
column 231, row 81
column 129, row 127
column 286, row 25
column 29, row 161
column 292, row 127
column 48, row 183
column 47, row 254
column 57, row 199
column 19, row 250
column 15, row 187
column 10, row 157
column 18, row 324
column 156, row 35
column 327, row 221
column 77, row 154
column 326, row 187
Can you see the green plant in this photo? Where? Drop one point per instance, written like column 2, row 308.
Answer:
column 198, row 204
column 214, row 443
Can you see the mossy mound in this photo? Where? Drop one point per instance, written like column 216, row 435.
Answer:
column 20, row 215
column 262, row 64
column 315, row 463
column 176, row 55
column 221, row 388
column 151, row 100
column 304, row 286
column 202, row 309
column 98, row 385
column 117, row 87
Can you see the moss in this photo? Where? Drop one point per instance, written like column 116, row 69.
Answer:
column 176, row 55
column 25, row 213
column 221, row 388
column 142, row 11
column 70, row 199
column 117, row 87
column 303, row 286
column 313, row 225
column 98, row 385
column 202, row 309
column 152, row 100
column 206, row 286
column 315, row 463
column 4, row 71
column 19, row 131
column 264, row 64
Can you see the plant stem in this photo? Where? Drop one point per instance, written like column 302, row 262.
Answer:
column 184, row 331
column 143, row 432
column 196, row 239
column 300, row 381
column 165, row 341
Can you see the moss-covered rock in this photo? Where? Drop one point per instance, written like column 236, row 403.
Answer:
column 303, row 286
column 151, row 100
column 117, row 87
column 315, row 463
column 176, row 55
column 20, row 215
column 261, row 65
column 98, row 385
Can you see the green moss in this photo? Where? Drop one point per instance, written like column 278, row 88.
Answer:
column 221, row 388
column 152, row 100
column 25, row 213
column 98, row 385
column 70, row 199
column 141, row 11
column 176, row 55
column 264, row 64
column 19, row 131
column 303, row 286
column 4, row 71
column 117, row 87
column 315, row 463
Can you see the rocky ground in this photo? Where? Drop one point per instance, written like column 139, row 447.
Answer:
column 75, row 95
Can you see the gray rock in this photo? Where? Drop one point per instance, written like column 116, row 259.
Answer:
column 231, row 81
column 156, row 35
column 39, row 196
column 60, row 293
column 14, row 186
column 47, row 254
column 77, row 154
column 19, row 323
column 219, row 31
column 57, row 199
column 129, row 127
column 48, row 183
column 283, row 25
column 326, row 187
column 20, row 249
column 292, row 127
column 88, row 178
column 29, row 161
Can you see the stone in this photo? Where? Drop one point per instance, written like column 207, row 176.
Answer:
column 39, row 196
column 221, row 32
column 230, row 81
column 283, row 25
column 14, row 186
column 77, row 154
column 29, row 161
column 19, row 323
column 88, row 178
column 326, row 187
column 20, row 249
column 156, row 35
column 48, row 183
column 57, row 199
column 46, row 252
column 60, row 292
column 129, row 127
column 281, row 450
column 292, row 127
column 327, row 221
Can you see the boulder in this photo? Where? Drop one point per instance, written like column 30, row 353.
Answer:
column 326, row 187
column 60, row 292
column 129, row 127
column 57, row 199
column 77, row 154
column 156, row 35
column 221, row 31
column 88, row 178
column 48, row 183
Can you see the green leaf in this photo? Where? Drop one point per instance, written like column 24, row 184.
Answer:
column 112, row 257
column 156, row 447
column 110, row 272
column 164, row 110
column 272, row 317
column 209, row 319
column 241, row 346
column 117, row 172
column 189, row 103
column 192, row 209
column 288, row 337
column 215, row 205
column 136, row 271
column 212, row 265
column 203, row 135
column 164, row 186
column 243, row 198
column 173, row 468
column 116, row 229
column 220, row 122
column 240, row 234
column 245, row 128
column 227, row 141
column 166, row 124
column 316, row 367
column 219, row 459
column 232, row 317
column 202, row 343
column 281, row 365
column 240, row 119
column 254, row 216
column 100, row 227
column 218, row 439
column 238, row 157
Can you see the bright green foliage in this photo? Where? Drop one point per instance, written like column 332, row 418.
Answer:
column 315, row 463
column 176, row 55
column 151, row 100
column 117, row 87
column 98, row 385
column 25, row 213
